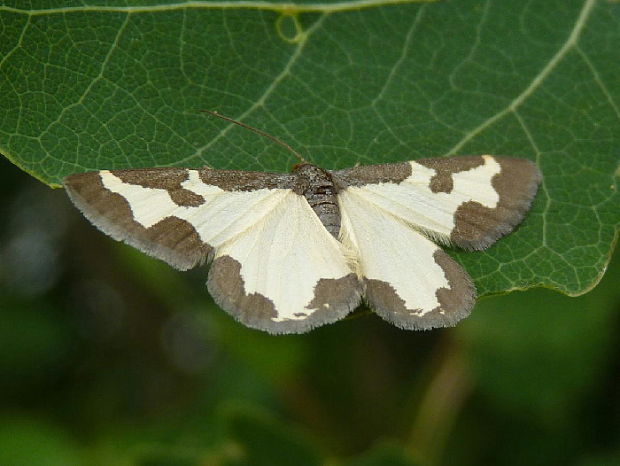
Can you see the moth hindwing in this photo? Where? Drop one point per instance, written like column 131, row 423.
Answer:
column 290, row 252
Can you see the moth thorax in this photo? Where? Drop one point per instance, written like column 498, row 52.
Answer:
column 317, row 186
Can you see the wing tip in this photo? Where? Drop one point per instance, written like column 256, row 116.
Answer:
column 517, row 185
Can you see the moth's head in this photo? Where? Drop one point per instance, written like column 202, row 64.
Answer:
column 309, row 176
column 299, row 166
column 307, row 169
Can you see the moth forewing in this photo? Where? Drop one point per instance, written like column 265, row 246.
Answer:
column 468, row 201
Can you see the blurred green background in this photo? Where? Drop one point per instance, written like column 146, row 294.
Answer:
column 108, row 357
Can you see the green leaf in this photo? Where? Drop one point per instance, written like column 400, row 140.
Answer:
column 89, row 87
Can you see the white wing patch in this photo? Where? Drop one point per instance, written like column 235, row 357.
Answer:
column 433, row 212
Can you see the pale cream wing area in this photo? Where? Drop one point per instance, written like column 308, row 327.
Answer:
column 409, row 280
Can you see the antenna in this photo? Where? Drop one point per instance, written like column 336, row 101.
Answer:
column 258, row 131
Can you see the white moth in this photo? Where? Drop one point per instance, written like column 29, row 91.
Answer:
column 290, row 252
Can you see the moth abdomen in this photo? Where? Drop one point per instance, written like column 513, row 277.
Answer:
column 329, row 214
column 317, row 186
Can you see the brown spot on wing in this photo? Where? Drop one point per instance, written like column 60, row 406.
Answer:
column 335, row 296
column 383, row 298
column 445, row 167
column 455, row 302
column 172, row 239
column 477, row 226
column 169, row 179
column 228, row 290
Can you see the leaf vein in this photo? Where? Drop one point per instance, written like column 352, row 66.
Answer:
column 327, row 7
column 89, row 87
column 569, row 44
column 598, row 80
column 266, row 93
column 405, row 52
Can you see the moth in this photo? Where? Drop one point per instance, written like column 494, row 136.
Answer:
column 292, row 251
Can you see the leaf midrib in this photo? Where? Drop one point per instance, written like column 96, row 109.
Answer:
column 289, row 8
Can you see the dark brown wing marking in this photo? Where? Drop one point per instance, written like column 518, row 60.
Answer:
column 477, row 226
